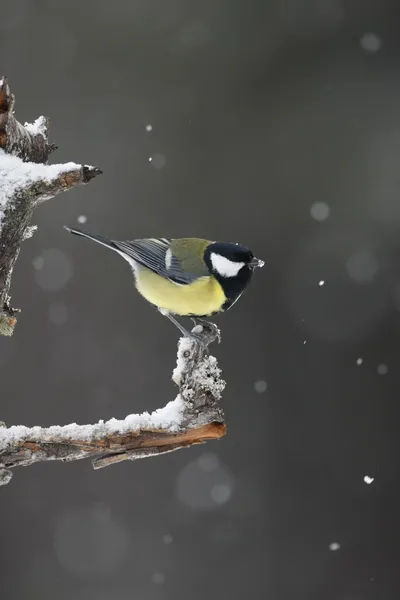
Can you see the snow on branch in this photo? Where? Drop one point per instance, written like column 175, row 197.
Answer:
column 194, row 417
column 25, row 182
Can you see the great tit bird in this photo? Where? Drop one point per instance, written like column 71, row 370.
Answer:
column 187, row 277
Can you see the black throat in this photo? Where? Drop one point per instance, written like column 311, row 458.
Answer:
column 232, row 286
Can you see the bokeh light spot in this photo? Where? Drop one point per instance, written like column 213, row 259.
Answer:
column 382, row 369
column 344, row 309
column 54, row 271
column 158, row 160
column 201, row 489
column 362, row 266
column 208, row 461
column 38, row 263
column 260, row 386
column 221, row 492
column 370, row 42
column 319, row 211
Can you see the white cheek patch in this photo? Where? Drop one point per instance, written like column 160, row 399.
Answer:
column 225, row 267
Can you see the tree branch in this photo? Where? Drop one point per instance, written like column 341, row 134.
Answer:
column 192, row 418
column 25, row 182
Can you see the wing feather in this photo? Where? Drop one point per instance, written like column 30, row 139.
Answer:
column 152, row 253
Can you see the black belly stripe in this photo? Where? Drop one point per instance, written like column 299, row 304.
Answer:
column 234, row 287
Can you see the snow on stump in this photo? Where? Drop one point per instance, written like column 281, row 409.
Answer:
column 25, row 181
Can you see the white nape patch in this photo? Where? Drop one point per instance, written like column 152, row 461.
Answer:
column 225, row 267
column 168, row 258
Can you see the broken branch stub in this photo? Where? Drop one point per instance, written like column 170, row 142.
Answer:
column 25, row 181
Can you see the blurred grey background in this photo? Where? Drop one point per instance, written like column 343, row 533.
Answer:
column 275, row 123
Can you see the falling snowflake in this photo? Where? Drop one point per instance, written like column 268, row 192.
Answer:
column 334, row 546
column 368, row 479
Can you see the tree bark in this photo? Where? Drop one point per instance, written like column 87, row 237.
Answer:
column 196, row 418
column 23, row 186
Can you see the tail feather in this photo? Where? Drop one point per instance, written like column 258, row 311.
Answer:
column 96, row 238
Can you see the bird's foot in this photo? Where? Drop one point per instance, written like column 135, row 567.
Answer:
column 201, row 341
column 207, row 329
column 204, row 333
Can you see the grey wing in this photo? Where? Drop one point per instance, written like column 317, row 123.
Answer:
column 156, row 254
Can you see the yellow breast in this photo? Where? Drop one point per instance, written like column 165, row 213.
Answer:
column 201, row 298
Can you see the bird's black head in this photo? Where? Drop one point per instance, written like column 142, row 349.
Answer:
column 233, row 266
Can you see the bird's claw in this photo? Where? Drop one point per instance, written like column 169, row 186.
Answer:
column 208, row 333
column 214, row 331
column 201, row 341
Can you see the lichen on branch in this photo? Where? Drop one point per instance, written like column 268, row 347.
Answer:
column 25, row 181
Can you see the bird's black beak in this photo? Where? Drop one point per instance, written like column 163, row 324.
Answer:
column 256, row 262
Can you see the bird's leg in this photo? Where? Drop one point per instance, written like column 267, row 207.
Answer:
column 200, row 338
column 208, row 326
column 181, row 328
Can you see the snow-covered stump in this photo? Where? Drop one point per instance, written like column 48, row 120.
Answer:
column 194, row 417
column 25, row 182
